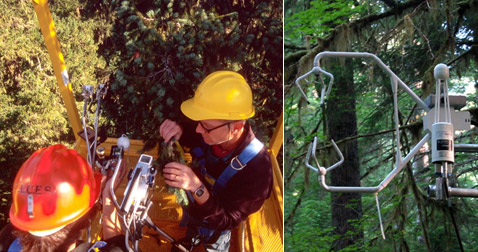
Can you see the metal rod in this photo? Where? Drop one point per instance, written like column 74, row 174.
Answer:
column 113, row 178
column 404, row 161
column 327, row 54
column 398, row 157
column 384, row 183
column 312, row 149
column 88, row 154
column 340, row 155
column 462, row 192
column 95, row 141
column 298, row 85
column 379, row 216
column 307, row 157
column 466, row 147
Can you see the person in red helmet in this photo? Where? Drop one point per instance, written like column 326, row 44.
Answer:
column 232, row 172
column 55, row 196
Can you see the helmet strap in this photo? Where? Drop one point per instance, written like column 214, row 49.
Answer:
column 231, row 136
column 228, row 137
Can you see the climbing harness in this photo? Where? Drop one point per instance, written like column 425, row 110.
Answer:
column 236, row 164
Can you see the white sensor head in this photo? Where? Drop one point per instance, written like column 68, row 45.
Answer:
column 123, row 142
column 441, row 72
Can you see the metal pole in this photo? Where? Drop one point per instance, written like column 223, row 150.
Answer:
column 59, row 67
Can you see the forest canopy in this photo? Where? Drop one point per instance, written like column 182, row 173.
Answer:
column 411, row 37
column 150, row 54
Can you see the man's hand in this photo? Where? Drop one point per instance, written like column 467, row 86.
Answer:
column 170, row 129
column 181, row 176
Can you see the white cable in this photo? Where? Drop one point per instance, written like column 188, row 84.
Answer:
column 96, row 126
column 88, row 155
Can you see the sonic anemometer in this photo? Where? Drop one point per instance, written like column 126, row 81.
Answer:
column 440, row 123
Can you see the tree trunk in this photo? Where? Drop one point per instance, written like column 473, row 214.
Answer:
column 342, row 122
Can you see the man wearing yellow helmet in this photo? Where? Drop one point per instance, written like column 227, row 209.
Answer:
column 232, row 174
column 55, row 196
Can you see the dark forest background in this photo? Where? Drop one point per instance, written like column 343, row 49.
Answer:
column 411, row 37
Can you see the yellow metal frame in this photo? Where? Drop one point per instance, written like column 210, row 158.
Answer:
column 59, row 67
column 276, row 139
column 261, row 232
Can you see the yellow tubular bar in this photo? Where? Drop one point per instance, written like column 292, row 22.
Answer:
column 263, row 230
column 276, row 140
column 53, row 46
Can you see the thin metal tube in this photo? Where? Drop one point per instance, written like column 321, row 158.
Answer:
column 466, row 147
column 88, row 154
column 307, row 157
column 384, row 67
column 398, row 157
column 320, row 169
column 437, row 100
column 325, row 92
column 384, row 183
column 298, row 85
column 340, row 155
column 96, row 129
column 113, row 178
column 463, row 192
column 379, row 216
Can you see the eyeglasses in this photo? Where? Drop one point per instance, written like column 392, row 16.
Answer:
column 217, row 127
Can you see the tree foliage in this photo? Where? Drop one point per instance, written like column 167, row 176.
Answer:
column 32, row 114
column 411, row 37
column 151, row 54
column 320, row 18
column 161, row 50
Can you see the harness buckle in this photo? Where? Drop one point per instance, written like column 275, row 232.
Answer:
column 239, row 162
column 97, row 245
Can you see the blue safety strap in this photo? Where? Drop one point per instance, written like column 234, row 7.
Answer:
column 15, row 246
column 238, row 163
column 197, row 152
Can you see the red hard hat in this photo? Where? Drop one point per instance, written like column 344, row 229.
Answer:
column 53, row 188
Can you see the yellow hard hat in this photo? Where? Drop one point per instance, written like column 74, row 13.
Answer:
column 221, row 95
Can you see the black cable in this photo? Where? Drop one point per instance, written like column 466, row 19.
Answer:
column 452, row 216
column 151, row 224
column 474, row 123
